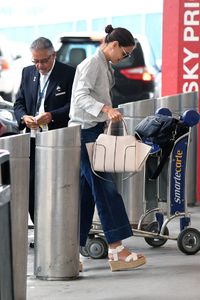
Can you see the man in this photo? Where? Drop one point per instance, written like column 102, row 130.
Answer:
column 43, row 99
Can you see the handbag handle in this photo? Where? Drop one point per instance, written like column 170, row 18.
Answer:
column 125, row 130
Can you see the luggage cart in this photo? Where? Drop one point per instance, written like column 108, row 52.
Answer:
column 156, row 233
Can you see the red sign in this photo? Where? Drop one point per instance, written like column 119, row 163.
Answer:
column 189, row 46
column 181, row 46
column 181, row 52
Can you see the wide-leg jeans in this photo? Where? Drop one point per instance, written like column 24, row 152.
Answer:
column 103, row 194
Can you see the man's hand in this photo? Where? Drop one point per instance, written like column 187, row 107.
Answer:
column 30, row 122
column 44, row 118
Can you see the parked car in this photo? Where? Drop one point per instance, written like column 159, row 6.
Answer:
column 11, row 64
column 6, row 70
column 8, row 123
column 134, row 76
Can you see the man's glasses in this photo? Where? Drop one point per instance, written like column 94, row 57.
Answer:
column 41, row 61
column 125, row 54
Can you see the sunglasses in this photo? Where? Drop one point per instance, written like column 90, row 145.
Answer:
column 125, row 54
column 41, row 61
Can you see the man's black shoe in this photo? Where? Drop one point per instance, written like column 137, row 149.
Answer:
column 30, row 226
column 31, row 245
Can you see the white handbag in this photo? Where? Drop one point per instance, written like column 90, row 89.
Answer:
column 117, row 154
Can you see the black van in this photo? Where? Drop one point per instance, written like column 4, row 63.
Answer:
column 134, row 76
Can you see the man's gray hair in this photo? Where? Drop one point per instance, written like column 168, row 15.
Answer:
column 42, row 43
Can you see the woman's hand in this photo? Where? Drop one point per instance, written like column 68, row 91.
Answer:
column 113, row 114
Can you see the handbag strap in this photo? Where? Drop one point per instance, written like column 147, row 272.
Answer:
column 125, row 130
column 124, row 178
column 166, row 152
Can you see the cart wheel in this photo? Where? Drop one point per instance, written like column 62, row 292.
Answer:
column 97, row 248
column 157, row 241
column 83, row 251
column 189, row 241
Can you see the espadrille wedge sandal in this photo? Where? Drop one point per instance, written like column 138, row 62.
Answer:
column 133, row 260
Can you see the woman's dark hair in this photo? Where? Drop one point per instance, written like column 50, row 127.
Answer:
column 119, row 34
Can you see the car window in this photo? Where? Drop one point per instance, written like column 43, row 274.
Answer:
column 74, row 53
column 142, row 56
column 136, row 59
column 148, row 53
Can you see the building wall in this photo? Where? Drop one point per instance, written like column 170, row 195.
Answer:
column 148, row 24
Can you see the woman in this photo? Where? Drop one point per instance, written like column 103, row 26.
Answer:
column 91, row 107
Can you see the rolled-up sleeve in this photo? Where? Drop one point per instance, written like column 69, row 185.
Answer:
column 86, row 82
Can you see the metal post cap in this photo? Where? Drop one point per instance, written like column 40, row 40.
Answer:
column 190, row 117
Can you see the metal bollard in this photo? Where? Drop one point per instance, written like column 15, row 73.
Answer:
column 134, row 190
column 6, row 266
column 19, row 148
column 57, row 204
column 138, row 192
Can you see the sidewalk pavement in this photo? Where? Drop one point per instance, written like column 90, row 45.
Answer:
column 168, row 274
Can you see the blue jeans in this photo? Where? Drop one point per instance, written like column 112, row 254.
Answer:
column 94, row 190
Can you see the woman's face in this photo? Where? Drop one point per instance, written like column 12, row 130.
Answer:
column 117, row 53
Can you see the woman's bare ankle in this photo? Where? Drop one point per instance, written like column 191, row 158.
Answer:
column 115, row 245
column 122, row 254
